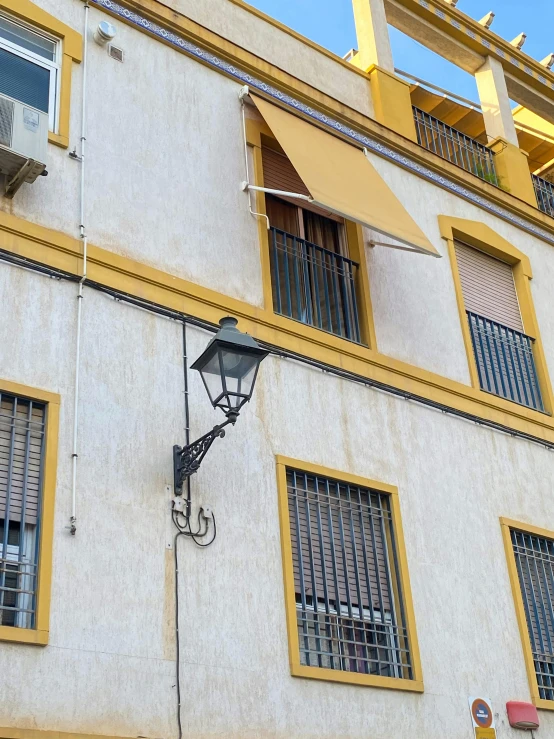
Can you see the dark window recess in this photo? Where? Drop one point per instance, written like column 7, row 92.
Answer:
column 312, row 281
column 503, row 353
column 21, row 459
column 534, row 557
column 349, row 601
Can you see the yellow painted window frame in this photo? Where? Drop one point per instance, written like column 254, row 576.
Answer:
column 354, row 238
column 72, row 51
column 39, row 634
column 482, row 237
column 321, row 673
column 506, row 525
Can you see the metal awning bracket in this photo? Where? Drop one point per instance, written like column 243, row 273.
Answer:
column 13, row 184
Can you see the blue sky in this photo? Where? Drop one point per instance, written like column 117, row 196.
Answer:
column 331, row 24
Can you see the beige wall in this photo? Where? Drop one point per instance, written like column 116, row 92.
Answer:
column 165, row 161
column 414, row 303
column 163, row 175
column 109, row 667
column 281, row 49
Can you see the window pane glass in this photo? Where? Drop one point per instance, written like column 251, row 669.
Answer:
column 28, row 40
column 24, row 81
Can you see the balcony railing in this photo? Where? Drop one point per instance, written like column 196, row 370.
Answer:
column 505, row 361
column 544, row 191
column 314, row 285
column 455, row 146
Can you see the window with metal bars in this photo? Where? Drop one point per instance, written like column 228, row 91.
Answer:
column 504, row 354
column 313, row 280
column 349, row 603
column 534, row 556
column 22, row 431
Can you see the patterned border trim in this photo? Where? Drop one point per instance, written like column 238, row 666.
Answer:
column 370, row 144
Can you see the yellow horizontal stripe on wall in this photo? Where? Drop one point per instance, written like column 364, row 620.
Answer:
column 126, row 275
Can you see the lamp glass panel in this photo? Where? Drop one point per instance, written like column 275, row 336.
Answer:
column 240, row 372
column 211, row 374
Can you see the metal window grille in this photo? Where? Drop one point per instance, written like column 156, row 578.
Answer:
column 314, row 285
column 544, row 192
column 505, row 361
column 534, row 557
column 349, row 602
column 455, row 146
column 22, row 424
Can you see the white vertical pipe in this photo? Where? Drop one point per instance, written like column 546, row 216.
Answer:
column 83, row 236
column 242, row 93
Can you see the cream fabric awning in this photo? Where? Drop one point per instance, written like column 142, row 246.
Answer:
column 340, row 178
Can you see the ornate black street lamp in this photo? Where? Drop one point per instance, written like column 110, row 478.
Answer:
column 228, row 367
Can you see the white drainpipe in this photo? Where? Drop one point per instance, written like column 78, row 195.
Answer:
column 83, row 237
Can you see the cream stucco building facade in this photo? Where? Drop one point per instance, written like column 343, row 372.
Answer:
column 114, row 272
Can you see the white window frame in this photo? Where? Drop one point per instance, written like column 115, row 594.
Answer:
column 53, row 66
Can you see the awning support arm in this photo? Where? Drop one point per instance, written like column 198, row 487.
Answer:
column 246, row 186
column 399, row 247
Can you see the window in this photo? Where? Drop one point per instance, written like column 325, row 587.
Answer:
column 313, row 280
column 29, row 67
column 531, row 559
column 349, row 606
column 503, row 352
column 22, row 441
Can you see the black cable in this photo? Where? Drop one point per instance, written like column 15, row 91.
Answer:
column 187, row 409
column 206, row 544
column 338, row 372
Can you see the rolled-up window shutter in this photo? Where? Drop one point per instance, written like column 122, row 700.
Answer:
column 348, row 596
column 341, row 557
column 24, row 81
column 488, row 286
column 279, row 174
column 21, row 444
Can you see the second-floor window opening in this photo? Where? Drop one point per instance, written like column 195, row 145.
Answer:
column 349, row 600
column 534, row 556
column 22, row 424
column 313, row 279
column 29, row 67
column 503, row 351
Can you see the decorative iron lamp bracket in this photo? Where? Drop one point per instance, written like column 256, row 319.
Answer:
column 228, row 367
column 187, row 459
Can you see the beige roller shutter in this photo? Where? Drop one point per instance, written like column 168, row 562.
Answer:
column 21, row 443
column 488, row 287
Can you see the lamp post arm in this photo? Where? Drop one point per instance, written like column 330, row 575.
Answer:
column 187, row 459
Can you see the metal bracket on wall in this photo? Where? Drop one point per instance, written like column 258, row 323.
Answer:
column 187, row 459
column 13, row 184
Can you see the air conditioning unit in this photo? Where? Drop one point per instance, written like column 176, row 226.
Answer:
column 23, row 143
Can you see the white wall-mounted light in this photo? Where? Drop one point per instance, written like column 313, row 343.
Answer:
column 105, row 32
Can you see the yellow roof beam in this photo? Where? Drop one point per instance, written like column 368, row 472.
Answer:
column 441, row 27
